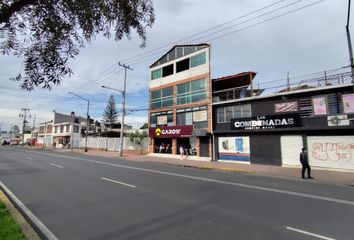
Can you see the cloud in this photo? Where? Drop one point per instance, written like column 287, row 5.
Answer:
column 309, row 40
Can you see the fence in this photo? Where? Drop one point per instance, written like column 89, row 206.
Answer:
column 113, row 144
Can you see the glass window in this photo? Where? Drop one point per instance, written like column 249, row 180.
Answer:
column 221, row 115
column 238, row 111
column 198, row 59
column 229, row 113
column 156, row 74
column 188, row 50
column 197, row 85
column 162, row 98
column 189, row 118
column 191, row 92
column 67, row 128
column 183, row 88
column 246, row 110
column 167, row 92
column 181, row 119
column 153, row 120
column 170, row 120
column 225, row 114
column 61, row 129
column 179, row 52
column 156, row 94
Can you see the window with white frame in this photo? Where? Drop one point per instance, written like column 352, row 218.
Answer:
column 225, row 114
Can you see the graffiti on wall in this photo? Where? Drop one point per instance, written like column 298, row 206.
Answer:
column 333, row 151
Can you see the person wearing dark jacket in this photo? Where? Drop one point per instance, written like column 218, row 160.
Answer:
column 305, row 164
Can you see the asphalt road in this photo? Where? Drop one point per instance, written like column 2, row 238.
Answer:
column 83, row 197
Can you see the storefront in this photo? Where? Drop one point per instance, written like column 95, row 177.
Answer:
column 277, row 128
column 168, row 139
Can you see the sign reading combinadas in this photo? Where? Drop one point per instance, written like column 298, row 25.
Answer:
column 171, row 132
column 266, row 122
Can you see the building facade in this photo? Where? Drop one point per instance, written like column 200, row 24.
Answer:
column 272, row 129
column 180, row 102
column 63, row 129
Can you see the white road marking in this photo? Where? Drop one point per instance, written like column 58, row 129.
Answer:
column 114, row 181
column 55, row 165
column 43, row 228
column 29, row 158
column 309, row 233
column 298, row 194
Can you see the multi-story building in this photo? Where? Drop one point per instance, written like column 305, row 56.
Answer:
column 180, row 101
column 64, row 130
column 272, row 129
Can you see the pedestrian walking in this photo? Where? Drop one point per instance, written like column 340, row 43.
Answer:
column 181, row 151
column 305, row 164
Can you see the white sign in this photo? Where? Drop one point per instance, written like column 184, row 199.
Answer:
column 234, row 148
column 199, row 116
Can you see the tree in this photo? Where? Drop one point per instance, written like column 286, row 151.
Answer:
column 137, row 138
column 145, row 126
column 47, row 34
column 110, row 114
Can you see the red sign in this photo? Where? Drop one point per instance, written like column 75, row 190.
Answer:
column 171, row 132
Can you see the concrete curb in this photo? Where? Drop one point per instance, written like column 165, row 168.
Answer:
column 36, row 224
column 206, row 168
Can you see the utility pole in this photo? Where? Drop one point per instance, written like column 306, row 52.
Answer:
column 123, row 107
column 34, row 122
column 24, row 116
column 87, row 116
column 350, row 44
column 288, row 81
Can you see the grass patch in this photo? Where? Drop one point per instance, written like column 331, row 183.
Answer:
column 9, row 230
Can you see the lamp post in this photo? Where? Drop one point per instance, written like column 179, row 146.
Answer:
column 123, row 114
column 87, row 116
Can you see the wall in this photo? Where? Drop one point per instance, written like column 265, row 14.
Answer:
column 195, row 71
column 113, row 144
column 331, row 151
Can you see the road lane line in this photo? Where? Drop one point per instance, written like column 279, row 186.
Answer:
column 40, row 228
column 29, row 158
column 309, row 233
column 56, row 165
column 298, row 194
column 114, row 181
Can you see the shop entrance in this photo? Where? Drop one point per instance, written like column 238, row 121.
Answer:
column 185, row 143
column 204, row 146
column 163, row 145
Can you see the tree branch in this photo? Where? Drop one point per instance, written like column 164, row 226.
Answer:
column 8, row 10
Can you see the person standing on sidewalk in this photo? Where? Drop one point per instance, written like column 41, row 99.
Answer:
column 305, row 164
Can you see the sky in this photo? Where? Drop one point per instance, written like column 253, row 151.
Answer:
column 299, row 37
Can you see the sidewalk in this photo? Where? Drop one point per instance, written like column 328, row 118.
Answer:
column 294, row 173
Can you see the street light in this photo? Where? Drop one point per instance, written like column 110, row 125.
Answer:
column 87, row 117
column 123, row 114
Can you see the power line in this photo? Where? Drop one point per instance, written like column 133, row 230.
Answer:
column 147, row 56
column 267, row 20
column 238, row 30
column 196, row 34
column 248, row 20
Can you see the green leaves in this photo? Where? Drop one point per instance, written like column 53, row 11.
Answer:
column 110, row 115
column 49, row 33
